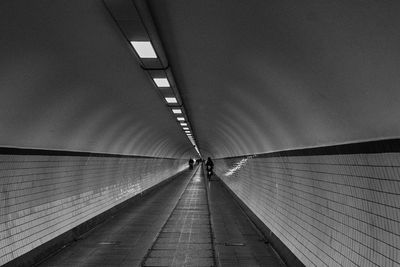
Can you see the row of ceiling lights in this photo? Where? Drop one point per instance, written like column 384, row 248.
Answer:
column 145, row 50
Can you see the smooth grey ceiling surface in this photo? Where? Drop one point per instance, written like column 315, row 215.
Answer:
column 260, row 76
column 70, row 81
column 255, row 76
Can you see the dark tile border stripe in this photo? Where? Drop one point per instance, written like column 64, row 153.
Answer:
column 368, row 147
column 48, row 152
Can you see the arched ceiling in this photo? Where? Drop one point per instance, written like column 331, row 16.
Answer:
column 255, row 76
column 70, row 81
column 260, row 76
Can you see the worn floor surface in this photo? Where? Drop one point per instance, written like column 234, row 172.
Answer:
column 172, row 226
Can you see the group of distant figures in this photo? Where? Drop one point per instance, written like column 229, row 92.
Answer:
column 209, row 165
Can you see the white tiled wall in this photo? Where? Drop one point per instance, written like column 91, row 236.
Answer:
column 333, row 210
column 45, row 196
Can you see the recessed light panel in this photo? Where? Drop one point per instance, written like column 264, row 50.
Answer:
column 180, row 118
column 144, row 49
column 161, row 82
column 177, row 111
column 185, row 128
column 171, row 100
column 183, row 124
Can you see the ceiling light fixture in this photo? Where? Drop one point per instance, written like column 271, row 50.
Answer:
column 161, row 82
column 144, row 49
column 185, row 128
column 183, row 124
column 177, row 111
column 171, row 100
column 180, row 118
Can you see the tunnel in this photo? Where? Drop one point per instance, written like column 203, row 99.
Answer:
column 297, row 103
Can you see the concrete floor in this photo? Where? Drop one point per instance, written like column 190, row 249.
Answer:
column 186, row 222
column 236, row 241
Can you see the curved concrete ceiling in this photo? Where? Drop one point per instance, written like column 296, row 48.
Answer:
column 260, row 76
column 70, row 81
column 255, row 76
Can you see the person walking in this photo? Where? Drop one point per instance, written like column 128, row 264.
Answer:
column 209, row 168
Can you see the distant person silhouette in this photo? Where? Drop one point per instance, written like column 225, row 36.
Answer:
column 209, row 168
column 191, row 162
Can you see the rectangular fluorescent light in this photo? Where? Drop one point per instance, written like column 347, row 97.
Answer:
column 144, row 49
column 161, row 82
column 171, row 100
column 183, row 124
column 177, row 111
column 185, row 128
column 180, row 118
column 187, row 132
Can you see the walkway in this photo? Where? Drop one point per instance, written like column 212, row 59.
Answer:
column 171, row 226
column 185, row 239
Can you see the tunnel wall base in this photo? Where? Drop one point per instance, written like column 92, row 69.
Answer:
column 54, row 195
column 337, row 209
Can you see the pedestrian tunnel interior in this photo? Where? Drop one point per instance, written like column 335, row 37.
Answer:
column 297, row 103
